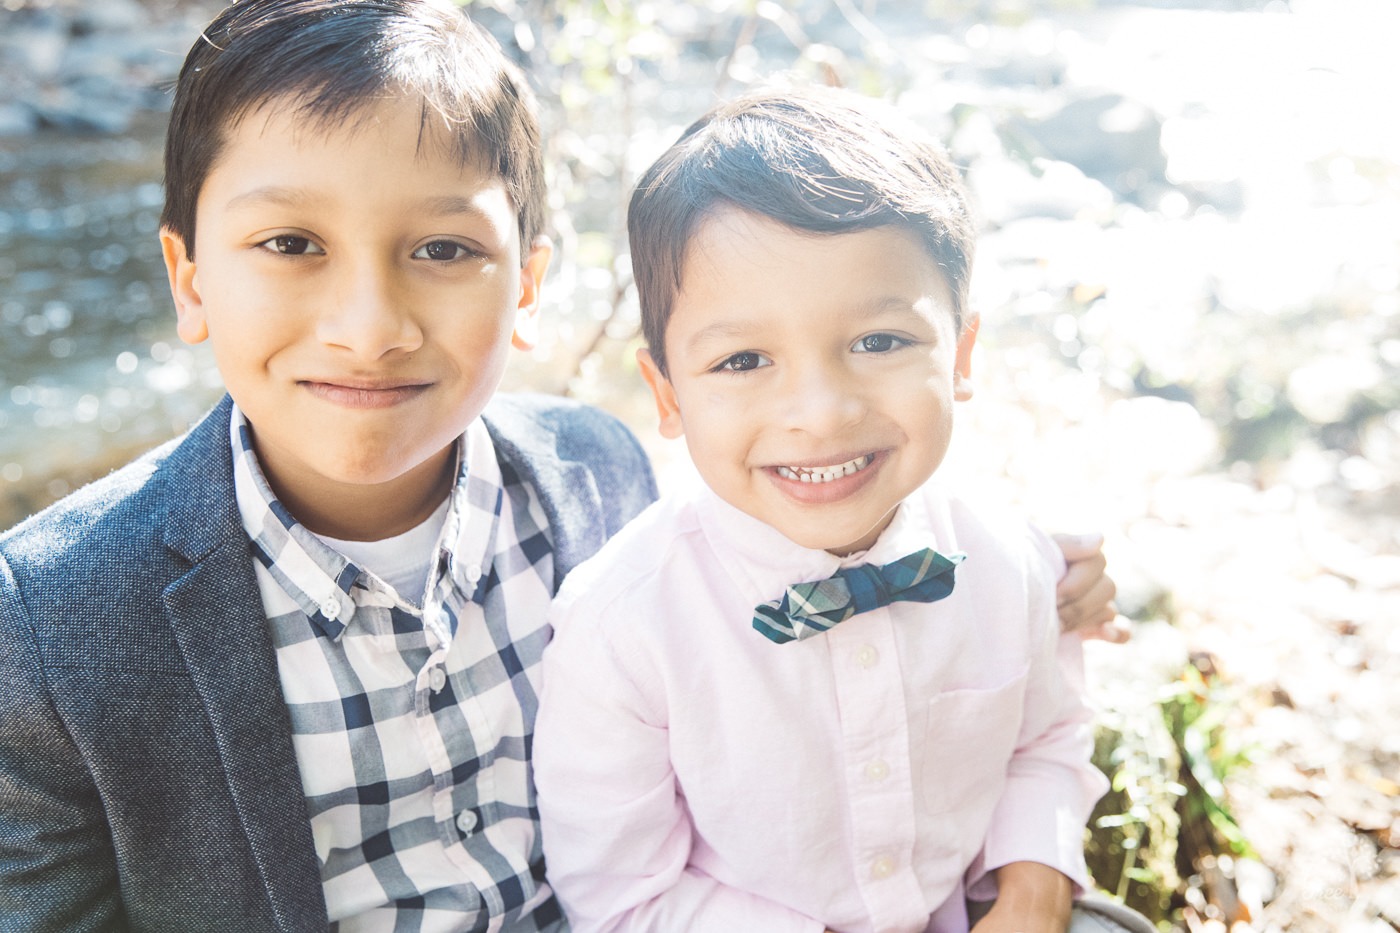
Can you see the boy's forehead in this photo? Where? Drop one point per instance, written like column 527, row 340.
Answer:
column 279, row 157
column 729, row 234
column 296, row 114
column 870, row 272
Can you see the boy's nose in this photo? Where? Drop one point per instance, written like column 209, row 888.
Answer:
column 370, row 317
column 822, row 401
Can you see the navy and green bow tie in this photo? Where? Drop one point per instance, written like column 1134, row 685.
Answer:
column 808, row 609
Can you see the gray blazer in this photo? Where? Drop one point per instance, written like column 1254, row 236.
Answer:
column 147, row 777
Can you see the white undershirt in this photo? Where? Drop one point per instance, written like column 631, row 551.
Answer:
column 402, row 561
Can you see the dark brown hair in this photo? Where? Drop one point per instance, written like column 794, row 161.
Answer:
column 820, row 160
column 334, row 58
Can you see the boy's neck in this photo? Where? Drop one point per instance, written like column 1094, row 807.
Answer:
column 360, row 512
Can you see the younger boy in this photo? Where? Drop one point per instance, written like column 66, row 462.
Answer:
column 283, row 672
column 707, row 757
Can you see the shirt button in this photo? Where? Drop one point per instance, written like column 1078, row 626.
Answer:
column 473, row 572
column 877, row 770
column 437, row 679
column 867, row 657
column 330, row 608
column 882, row 867
column 466, row 822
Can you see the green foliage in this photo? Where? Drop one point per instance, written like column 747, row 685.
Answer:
column 1196, row 711
column 1166, row 813
column 1131, row 847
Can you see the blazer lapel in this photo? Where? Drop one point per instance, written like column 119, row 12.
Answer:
column 216, row 615
column 566, row 488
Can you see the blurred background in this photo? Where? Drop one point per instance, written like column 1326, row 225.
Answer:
column 1189, row 277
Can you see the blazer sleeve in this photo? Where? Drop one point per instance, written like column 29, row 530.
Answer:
column 590, row 473
column 58, row 870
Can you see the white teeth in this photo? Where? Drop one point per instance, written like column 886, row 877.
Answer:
column 826, row 474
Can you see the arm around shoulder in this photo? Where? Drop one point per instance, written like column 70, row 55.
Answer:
column 589, row 472
column 57, row 866
column 1085, row 592
column 619, row 465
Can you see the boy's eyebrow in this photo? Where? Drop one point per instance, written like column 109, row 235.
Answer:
column 282, row 196
column 454, row 204
column 732, row 328
column 719, row 330
column 275, row 195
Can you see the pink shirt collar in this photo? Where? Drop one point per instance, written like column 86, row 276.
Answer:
column 762, row 562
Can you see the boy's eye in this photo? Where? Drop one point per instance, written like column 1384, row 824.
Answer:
column 290, row 245
column 441, row 251
column 878, row 343
column 744, row 362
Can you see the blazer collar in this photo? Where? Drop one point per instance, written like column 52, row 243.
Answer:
column 216, row 615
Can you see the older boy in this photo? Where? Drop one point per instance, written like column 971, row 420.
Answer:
column 724, row 743
column 283, row 671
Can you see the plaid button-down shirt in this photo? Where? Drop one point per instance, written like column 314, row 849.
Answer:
column 412, row 727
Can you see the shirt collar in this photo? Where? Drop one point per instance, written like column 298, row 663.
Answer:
column 468, row 540
column 320, row 579
column 762, row 562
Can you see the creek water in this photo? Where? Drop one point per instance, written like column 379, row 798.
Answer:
column 90, row 367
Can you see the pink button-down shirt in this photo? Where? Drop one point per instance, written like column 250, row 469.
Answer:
column 694, row 776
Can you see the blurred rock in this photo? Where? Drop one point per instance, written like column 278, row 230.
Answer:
column 1007, row 190
column 16, row 119
column 1108, row 136
column 1172, row 435
column 109, row 16
column 34, row 40
column 88, row 68
column 71, row 110
column 1323, row 390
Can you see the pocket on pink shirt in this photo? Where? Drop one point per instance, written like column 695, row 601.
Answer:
column 968, row 740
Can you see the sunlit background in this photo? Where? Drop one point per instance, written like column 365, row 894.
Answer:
column 1189, row 276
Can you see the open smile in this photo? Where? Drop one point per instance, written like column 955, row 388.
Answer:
column 817, row 484
column 825, row 474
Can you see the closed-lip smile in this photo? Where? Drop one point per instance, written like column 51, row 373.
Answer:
column 359, row 392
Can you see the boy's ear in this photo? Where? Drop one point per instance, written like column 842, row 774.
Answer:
column 962, row 365
column 184, row 288
column 664, row 393
column 527, row 318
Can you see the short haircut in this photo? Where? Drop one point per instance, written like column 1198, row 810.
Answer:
column 819, row 160
column 333, row 59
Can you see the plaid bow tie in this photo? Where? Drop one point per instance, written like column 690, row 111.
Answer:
column 808, row 609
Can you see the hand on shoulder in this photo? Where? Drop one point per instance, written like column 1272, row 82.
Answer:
column 1085, row 593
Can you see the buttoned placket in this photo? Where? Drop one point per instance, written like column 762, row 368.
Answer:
column 465, row 563
column 875, row 753
column 431, row 680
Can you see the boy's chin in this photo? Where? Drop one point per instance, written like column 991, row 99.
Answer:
column 835, row 540
column 367, row 469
